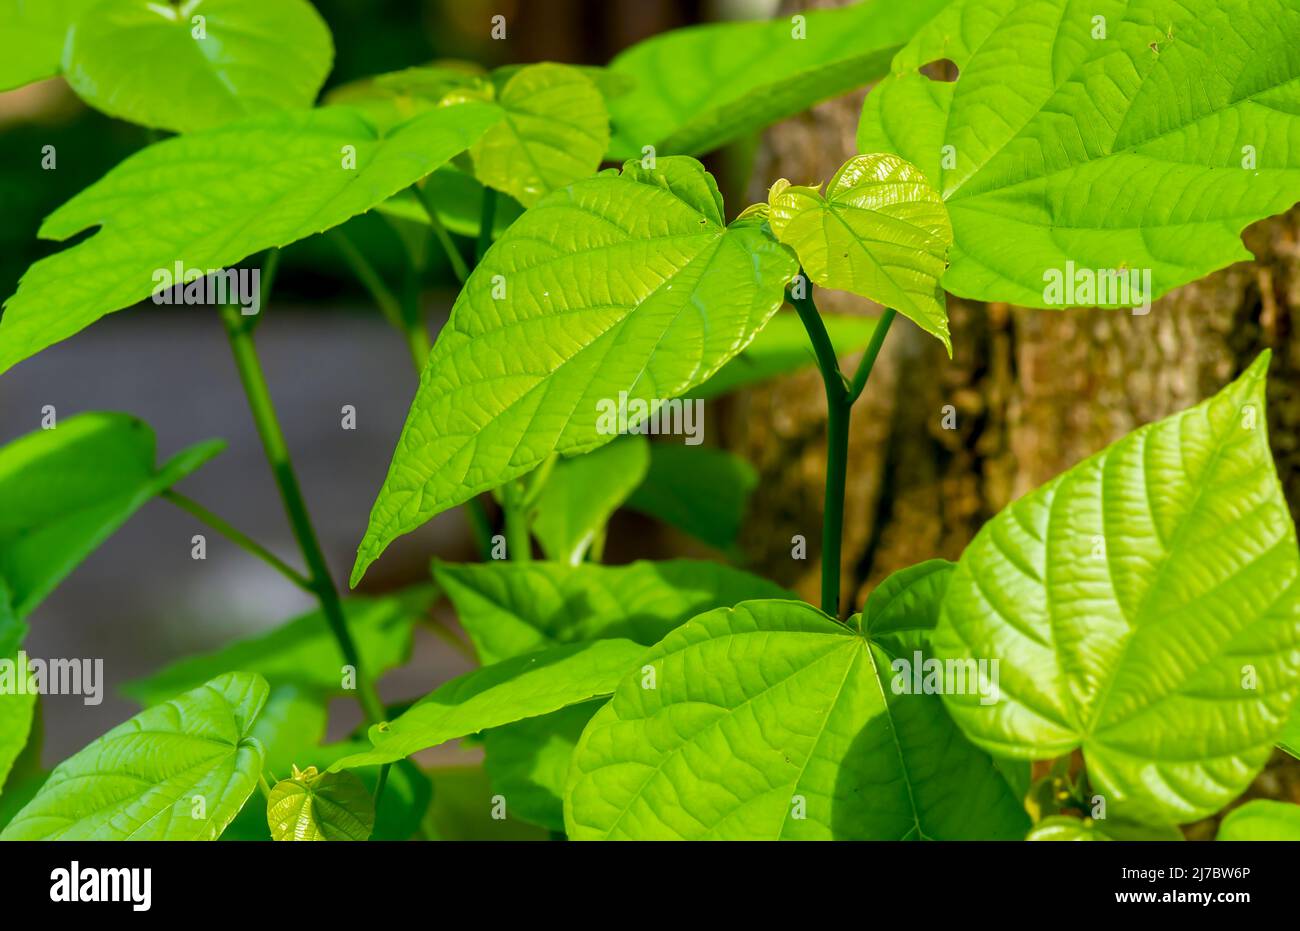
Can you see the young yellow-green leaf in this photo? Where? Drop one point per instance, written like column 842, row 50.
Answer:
column 177, row 771
column 528, row 762
column 625, row 282
column 241, row 188
column 772, row 721
column 880, row 232
column 513, row 608
column 200, row 63
column 698, row 88
column 555, row 130
column 701, row 490
column 68, row 489
column 782, row 347
column 582, row 493
column 511, row 690
column 1144, row 607
column 302, row 651
column 320, row 806
column 1135, row 138
column 31, row 43
column 1262, row 819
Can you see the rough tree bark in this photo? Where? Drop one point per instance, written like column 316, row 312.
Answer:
column 1034, row 392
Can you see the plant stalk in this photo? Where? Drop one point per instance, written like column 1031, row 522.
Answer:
column 277, row 454
column 458, row 266
column 840, row 395
column 239, row 538
column 514, row 503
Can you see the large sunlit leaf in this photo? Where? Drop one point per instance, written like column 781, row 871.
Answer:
column 199, row 63
column 772, row 721
column 782, row 347
column 555, row 130
column 311, row 805
column 177, row 771
column 511, row 690
column 628, row 282
column 880, row 232
column 1136, row 137
column 513, row 608
column 1262, row 819
column 31, row 42
column 240, row 189
column 698, row 88
column 302, row 651
column 67, row 489
column 1144, row 607
column 701, row 490
column 582, row 493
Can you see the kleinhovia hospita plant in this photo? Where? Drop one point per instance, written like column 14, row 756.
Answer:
column 1114, row 654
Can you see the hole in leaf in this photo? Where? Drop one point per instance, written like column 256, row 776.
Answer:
column 941, row 69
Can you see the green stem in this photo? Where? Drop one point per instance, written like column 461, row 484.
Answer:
column 487, row 218
column 519, row 546
column 840, row 395
column 403, row 316
column 264, row 786
column 457, row 260
column 379, row 785
column 869, row 357
column 277, row 454
column 240, row 539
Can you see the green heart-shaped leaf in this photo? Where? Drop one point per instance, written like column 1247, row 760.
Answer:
column 241, row 188
column 513, row 608
column 177, row 771
column 1117, row 145
column 320, row 806
column 68, row 489
column 698, row 88
column 199, row 63
column 625, row 282
column 771, row 721
column 1143, row 607
column 555, row 130
column 31, row 44
column 880, row 232
column 511, row 690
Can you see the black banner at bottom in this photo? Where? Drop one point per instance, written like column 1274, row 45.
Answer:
column 389, row 881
